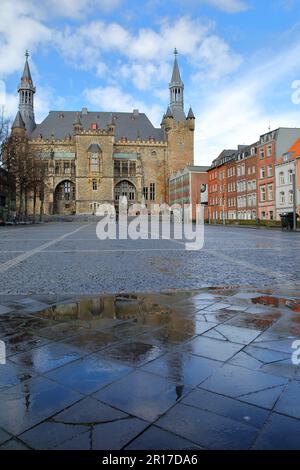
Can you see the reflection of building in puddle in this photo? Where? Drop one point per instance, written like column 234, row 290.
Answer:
column 144, row 310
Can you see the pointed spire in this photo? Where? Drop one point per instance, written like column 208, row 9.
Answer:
column 18, row 122
column 190, row 114
column 176, row 78
column 169, row 113
column 26, row 98
column 26, row 77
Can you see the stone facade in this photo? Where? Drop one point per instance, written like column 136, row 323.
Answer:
column 95, row 158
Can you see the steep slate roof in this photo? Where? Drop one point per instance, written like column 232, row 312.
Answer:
column 129, row 125
column 176, row 78
column 18, row 122
column 191, row 114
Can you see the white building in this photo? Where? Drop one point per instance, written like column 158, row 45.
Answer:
column 284, row 184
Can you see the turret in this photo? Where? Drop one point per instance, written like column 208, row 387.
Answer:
column 26, row 92
column 176, row 88
column 191, row 120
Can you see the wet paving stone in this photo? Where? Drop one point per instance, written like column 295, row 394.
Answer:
column 60, row 331
column 12, row 374
column 280, row 433
column 249, row 386
column 89, row 411
column 14, row 444
column 155, row 438
column 92, row 341
column 112, row 435
column 35, row 400
column 117, row 434
column 212, row 348
column 217, row 307
column 89, row 374
column 183, row 368
column 133, row 353
column 144, row 395
column 146, row 371
column 22, row 342
column 252, row 322
column 266, row 360
column 281, row 345
column 227, row 407
column 207, row 429
column 216, row 317
column 47, row 357
column 234, row 334
column 4, row 436
column 289, row 403
column 49, row 435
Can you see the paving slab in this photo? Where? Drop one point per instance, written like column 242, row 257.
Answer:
column 144, row 395
column 227, row 407
column 89, row 374
column 183, row 368
column 155, row 438
column 35, row 400
column 207, row 429
column 253, row 387
column 280, row 433
column 212, row 348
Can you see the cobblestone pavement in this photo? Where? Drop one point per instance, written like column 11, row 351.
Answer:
column 201, row 369
column 187, row 366
column 60, row 258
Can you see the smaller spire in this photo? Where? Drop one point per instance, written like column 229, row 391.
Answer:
column 190, row 114
column 18, row 122
column 26, row 77
column 169, row 113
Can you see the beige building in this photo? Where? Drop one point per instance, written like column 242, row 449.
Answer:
column 96, row 157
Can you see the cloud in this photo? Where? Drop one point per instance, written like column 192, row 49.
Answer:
column 145, row 54
column 113, row 98
column 18, row 31
column 229, row 6
column 240, row 112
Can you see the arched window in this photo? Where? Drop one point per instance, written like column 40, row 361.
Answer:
column 125, row 188
column 94, row 162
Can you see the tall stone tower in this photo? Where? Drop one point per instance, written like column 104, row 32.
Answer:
column 178, row 127
column 26, row 92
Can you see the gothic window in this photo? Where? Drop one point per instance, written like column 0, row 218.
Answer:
column 94, row 162
column 145, row 193
column 125, row 188
column 117, row 168
column 152, row 191
column 95, row 186
column 125, row 168
column 67, row 168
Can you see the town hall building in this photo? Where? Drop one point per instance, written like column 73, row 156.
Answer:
column 96, row 157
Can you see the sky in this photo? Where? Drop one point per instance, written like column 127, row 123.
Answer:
column 239, row 60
